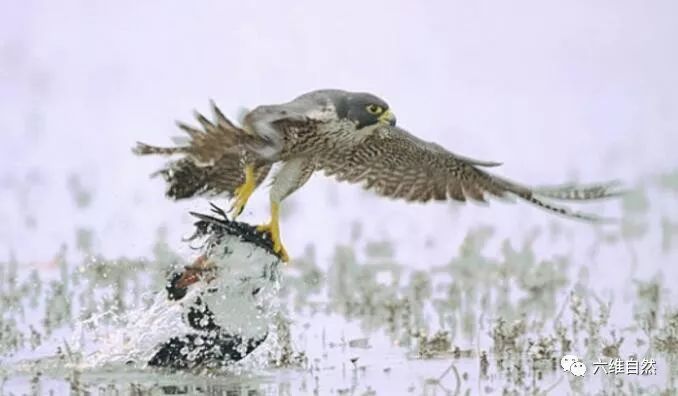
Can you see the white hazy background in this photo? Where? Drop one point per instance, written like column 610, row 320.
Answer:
column 572, row 90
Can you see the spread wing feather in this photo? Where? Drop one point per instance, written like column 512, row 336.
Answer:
column 208, row 143
column 396, row 164
column 213, row 159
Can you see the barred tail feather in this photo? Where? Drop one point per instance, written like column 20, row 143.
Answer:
column 184, row 179
column 187, row 179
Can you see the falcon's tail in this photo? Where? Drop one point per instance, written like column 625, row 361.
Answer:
column 187, row 179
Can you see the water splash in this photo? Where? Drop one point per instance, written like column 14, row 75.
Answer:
column 239, row 283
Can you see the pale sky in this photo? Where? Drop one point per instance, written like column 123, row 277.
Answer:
column 554, row 91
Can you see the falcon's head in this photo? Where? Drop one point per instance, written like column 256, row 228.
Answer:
column 362, row 109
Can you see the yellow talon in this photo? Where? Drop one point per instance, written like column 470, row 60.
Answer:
column 243, row 193
column 273, row 229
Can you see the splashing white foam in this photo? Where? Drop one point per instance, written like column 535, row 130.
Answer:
column 242, row 297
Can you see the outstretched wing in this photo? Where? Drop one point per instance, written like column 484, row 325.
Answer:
column 213, row 162
column 209, row 142
column 396, row 164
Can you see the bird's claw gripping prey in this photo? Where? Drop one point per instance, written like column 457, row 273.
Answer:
column 272, row 228
column 243, row 192
column 351, row 136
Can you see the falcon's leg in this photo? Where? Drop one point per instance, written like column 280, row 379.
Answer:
column 292, row 175
column 273, row 229
column 243, row 193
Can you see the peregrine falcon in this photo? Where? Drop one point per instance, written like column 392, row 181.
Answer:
column 349, row 135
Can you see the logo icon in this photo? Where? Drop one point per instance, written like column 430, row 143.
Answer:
column 578, row 369
column 567, row 361
column 572, row 364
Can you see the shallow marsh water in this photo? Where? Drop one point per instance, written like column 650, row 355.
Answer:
column 365, row 323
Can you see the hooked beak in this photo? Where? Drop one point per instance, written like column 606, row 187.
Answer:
column 387, row 118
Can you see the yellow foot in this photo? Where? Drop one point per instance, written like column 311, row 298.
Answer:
column 243, row 193
column 274, row 231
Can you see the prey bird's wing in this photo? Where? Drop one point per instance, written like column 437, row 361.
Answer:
column 396, row 164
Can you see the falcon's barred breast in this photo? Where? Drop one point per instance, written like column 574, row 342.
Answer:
column 351, row 136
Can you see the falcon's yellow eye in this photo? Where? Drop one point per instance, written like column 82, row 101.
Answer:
column 375, row 109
